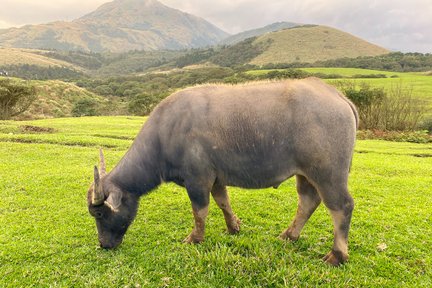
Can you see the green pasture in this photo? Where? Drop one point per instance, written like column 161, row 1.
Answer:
column 420, row 83
column 48, row 239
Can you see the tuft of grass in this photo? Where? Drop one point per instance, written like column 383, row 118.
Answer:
column 47, row 237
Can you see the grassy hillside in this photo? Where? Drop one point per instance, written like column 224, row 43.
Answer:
column 18, row 56
column 47, row 237
column 312, row 43
column 58, row 99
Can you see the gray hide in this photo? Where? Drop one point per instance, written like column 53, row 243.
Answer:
column 254, row 135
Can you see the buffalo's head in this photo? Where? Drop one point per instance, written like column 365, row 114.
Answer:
column 112, row 208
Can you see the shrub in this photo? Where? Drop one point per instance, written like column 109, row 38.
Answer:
column 427, row 125
column 85, row 107
column 144, row 103
column 15, row 97
column 393, row 109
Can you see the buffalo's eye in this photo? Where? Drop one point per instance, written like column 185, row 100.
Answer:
column 98, row 214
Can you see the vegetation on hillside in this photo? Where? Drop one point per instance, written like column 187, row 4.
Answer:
column 97, row 64
column 15, row 97
column 36, row 72
column 395, row 61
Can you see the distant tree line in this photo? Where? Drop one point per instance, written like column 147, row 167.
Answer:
column 396, row 61
column 115, row 63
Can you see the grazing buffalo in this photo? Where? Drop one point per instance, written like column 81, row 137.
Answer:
column 254, row 135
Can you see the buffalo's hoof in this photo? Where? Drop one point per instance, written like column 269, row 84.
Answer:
column 287, row 235
column 234, row 227
column 335, row 258
column 193, row 239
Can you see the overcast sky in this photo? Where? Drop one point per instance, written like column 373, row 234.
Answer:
column 394, row 24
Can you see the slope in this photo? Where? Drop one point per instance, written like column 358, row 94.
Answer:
column 16, row 56
column 311, row 43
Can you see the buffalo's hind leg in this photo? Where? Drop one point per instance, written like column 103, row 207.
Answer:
column 340, row 204
column 308, row 202
column 200, row 198
column 220, row 195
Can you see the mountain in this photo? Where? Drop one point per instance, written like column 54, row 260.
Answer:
column 311, row 43
column 119, row 26
column 234, row 39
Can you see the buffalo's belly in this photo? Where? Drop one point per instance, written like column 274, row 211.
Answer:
column 252, row 175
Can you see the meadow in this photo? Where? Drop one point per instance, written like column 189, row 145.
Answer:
column 47, row 237
column 419, row 82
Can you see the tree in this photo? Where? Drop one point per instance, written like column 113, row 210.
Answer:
column 144, row 103
column 85, row 107
column 15, row 97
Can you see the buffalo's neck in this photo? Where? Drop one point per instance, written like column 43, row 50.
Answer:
column 138, row 171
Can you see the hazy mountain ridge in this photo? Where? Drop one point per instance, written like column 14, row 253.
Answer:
column 119, row 26
column 274, row 27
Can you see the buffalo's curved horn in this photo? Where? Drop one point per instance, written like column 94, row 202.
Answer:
column 102, row 163
column 97, row 195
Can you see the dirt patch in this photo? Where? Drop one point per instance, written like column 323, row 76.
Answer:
column 119, row 137
column 36, row 129
column 422, row 155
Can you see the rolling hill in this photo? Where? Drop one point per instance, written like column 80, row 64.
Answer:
column 59, row 99
column 119, row 26
column 18, row 56
column 310, row 43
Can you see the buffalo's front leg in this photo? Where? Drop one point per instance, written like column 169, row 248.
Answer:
column 200, row 199
column 308, row 202
column 220, row 195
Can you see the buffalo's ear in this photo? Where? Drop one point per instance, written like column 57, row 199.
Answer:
column 114, row 199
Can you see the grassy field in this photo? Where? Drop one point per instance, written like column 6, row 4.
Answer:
column 421, row 83
column 47, row 237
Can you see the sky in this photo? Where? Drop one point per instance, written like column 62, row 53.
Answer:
column 398, row 25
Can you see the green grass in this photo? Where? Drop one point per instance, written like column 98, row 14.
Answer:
column 420, row 83
column 47, row 237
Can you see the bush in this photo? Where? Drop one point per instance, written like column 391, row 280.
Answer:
column 284, row 74
column 143, row 104
column 15, row 97
column 427, row 125
column 394, row 109
column 85, row 107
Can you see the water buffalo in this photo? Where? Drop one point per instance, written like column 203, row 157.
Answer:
column 254, row 135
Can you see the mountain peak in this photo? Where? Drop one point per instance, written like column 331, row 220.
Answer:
column 119, row 26
column 117, row 9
